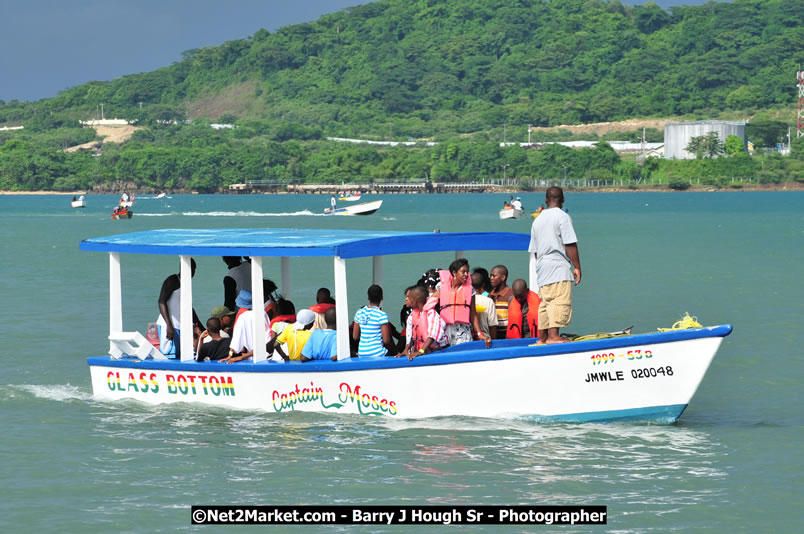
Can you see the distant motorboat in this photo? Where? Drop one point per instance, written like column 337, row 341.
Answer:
column 121, row 213
column 161, row 195
column 79, row 203
column 350, row 197
column 126, row 201
column 366, row 208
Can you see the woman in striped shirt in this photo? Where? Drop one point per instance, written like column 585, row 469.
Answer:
column 372, row 327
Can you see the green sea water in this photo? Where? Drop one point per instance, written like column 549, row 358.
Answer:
column 733, row 462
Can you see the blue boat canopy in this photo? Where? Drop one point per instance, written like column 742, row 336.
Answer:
column 284, row 242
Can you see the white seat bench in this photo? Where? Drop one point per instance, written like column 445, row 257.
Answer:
column 133, row 344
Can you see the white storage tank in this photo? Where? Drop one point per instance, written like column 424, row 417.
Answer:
column 677, row 135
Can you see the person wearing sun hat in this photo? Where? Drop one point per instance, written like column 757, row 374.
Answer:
column 243, row 342
column 243, row 303
column 295, row 335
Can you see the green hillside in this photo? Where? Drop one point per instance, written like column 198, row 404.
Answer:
column 417, row 69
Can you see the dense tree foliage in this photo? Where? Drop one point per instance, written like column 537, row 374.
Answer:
column 435, row 67
column 442, row 69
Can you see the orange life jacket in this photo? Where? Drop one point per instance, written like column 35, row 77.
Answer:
column 514, row 330
column 419, row 328
column 455, row 303
column 289, row 318
column 321, row 308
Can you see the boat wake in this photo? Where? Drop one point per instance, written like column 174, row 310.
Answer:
column 250, row 214
column 57, row 392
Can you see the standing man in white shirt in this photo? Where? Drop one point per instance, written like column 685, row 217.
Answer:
column 553, row 242
column 237, row 278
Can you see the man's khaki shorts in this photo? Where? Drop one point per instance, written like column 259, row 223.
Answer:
column 555, row 310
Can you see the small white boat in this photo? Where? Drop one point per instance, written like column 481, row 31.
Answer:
column 80, row 203
column 510, row 213
column 350, row 198
column 366, row 208
column 648, row 377
column 161, row 195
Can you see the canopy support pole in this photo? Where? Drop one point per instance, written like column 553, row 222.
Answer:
column 376, row 270
column 258, row 308
column 284, row 267
column 533, row 281
column 115, row 296
column 341, row 308
column 186, row 310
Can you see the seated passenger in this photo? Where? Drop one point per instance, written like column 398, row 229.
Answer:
column 217, row 348
column 502, row 295
column 323, row 344
column 204, row 337
column 404, row 313
column 457, row 299
column 430, row 280
column 294, row 335
column 226, row 317
column 243, row 341
column 323, row 302
column 485, row 286
column 484, row 307
column 426, row 330
column 271, row 297
column 523, row 312
column 285, row 316
column 372, row 328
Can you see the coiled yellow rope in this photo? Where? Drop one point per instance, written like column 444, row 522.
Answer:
column 603, row 335
column 685, row 323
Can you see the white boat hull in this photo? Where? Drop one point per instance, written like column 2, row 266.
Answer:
column 649, row 377
column 511, row 213
column 366, row 208
column 78, row 204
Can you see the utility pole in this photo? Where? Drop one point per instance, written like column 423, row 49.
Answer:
column 528, row 133
column 505, row 125
column 101, row 111
column 505, row 167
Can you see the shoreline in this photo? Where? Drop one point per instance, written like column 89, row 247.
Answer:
column 784, row 186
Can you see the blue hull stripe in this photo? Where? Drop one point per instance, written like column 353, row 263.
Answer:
column 470, row 352
column 653, row 414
